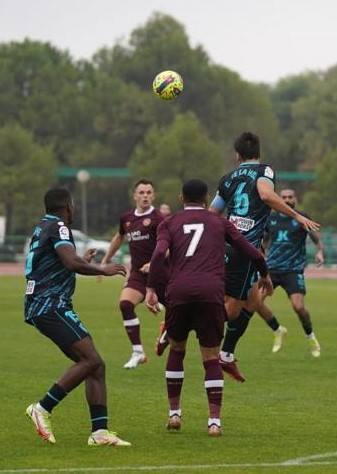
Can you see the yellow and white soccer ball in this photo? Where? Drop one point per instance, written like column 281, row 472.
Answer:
column 168, row 85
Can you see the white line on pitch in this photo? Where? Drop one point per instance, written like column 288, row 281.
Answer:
column 287, row 464
column 312, row 457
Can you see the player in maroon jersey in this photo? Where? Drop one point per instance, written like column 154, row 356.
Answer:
column 196, row 239
column 139, row 228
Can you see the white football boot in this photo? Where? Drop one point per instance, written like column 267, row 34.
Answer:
column 106, row 438
column 41, row 419
column 136, row 359
column 279, row 338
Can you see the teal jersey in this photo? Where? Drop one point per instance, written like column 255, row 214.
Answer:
column 237, row 192
column 49, row 283
column 287, row 244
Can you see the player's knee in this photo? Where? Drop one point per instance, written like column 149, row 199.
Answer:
column 96, row 363
column 126, row 306
column 298, row 307
column 100, row 371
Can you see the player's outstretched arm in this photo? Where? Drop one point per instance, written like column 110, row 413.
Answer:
column 273, row 200
column 89, row 255
column 75, row 263
column 316, row 238
column 115, row 244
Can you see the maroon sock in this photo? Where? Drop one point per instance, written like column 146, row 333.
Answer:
column 213, row 385
column 174, row 378
column 131, row 322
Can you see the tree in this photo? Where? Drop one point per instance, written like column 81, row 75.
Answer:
column 321, row 201
column 175, row 154
column 315, row 119
column 284, row 96
column 45, row 91
column 27, row 169
column 224, row 104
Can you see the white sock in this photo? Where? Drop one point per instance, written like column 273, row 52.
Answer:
column 175, row 412
column 138, row 348
column 214, row 421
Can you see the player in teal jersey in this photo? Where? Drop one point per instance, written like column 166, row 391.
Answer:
column 248, row 195
column 286, row 258
column 50, row 273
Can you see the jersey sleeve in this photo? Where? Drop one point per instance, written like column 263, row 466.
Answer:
column 60, row 234
column 218, row 203
column 157, row 266
column 222, row 189
column 266, row 173
column 163, row 233
column 220, row 199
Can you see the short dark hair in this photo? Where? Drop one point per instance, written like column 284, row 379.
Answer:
column 289, row 190
column 56, row 199
column 247, row 145
column 142, row 181
column 194, row 190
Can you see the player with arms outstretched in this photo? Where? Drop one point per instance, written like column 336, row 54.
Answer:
column 196, row 241
column 286, row 258
column 248, row 194
column 139, row 228
column 50, row 272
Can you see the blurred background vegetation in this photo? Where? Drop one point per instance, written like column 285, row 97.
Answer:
column 57, row 112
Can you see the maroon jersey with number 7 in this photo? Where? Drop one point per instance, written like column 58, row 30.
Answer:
column 196, row 241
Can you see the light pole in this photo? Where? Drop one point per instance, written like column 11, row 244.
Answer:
column 83, row 177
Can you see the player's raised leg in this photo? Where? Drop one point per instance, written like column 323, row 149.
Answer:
column 242, row 310
column 234, row 330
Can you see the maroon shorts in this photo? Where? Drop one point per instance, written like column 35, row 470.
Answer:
column 138, row 281
column 206, row 319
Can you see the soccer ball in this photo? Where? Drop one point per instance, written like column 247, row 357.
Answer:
column 167, row 85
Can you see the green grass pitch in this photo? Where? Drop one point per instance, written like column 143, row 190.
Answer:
column 285, row 410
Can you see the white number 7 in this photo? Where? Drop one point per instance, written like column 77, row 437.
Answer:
column 198, row 230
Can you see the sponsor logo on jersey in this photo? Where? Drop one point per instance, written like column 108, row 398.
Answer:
column 127, row 224
column 64, row 233
column 37, row 231
column 268, row 172
column 242, row 223
column 136, row 236
column 30, row 287
column 146, row 222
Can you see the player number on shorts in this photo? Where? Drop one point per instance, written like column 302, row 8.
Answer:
column 198, row 230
